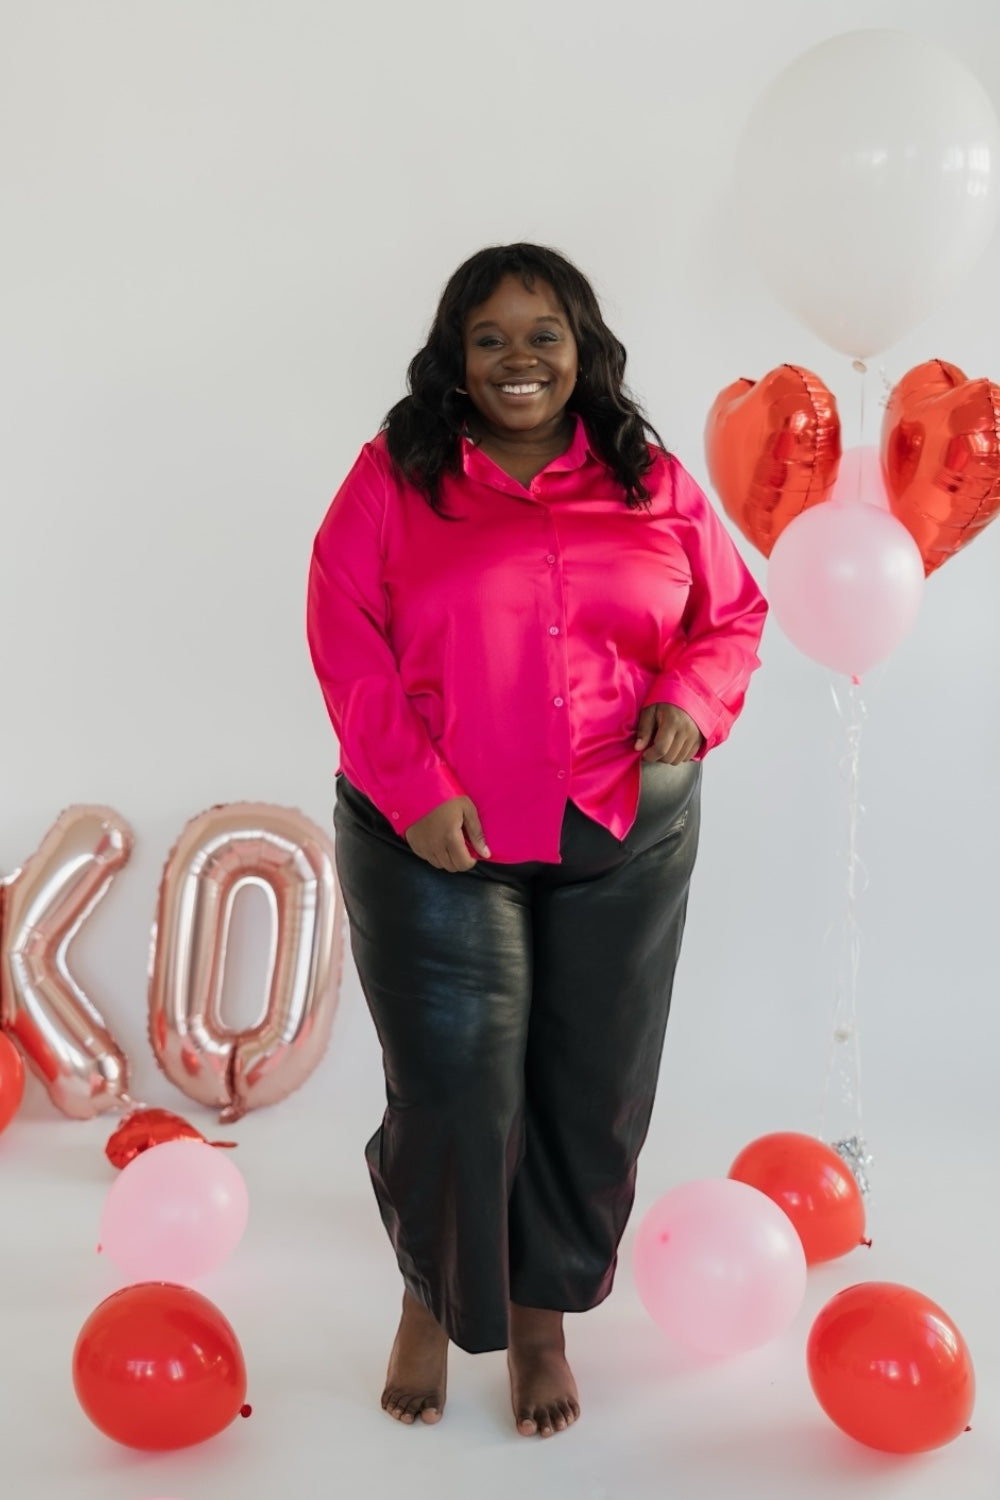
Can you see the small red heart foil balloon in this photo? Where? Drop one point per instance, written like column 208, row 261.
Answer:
column 941, row 456
column 773, row 450
column 144, row 1128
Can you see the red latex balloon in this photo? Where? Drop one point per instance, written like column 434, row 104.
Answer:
column 157, row 1367
column 144, row 1128
column 815, row 1187
column 11, row 1081
column 773, row 450
column 941, row 455
column 891, row 1369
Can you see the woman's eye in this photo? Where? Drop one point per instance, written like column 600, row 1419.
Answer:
column 487, row 342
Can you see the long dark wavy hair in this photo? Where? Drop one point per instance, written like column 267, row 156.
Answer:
column 423, row 430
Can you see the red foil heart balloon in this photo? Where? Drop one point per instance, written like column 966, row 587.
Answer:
column 941, row 455
column 150, row 1127
column 773, row 450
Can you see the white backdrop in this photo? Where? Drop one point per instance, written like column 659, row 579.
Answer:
column 225, row 227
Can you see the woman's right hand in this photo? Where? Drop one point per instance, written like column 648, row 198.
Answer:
column 440, row 837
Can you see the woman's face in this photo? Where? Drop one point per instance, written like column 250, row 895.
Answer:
column 520, row 359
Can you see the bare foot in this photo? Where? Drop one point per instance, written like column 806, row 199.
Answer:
column 542, row 1389
column 418, row 1366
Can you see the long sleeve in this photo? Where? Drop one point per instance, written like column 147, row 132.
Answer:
column 386, row 750
column 708, row 673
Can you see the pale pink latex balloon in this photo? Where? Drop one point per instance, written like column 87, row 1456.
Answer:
column 845, row 583
column 174, row 1213
column 860, row 479
column 719, row 1266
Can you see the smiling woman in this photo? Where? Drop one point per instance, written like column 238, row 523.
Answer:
column 509, row 313
column 520, row 370
column 529, row 626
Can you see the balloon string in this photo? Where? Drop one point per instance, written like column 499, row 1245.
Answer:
column 862, row 370
column 844, row 1067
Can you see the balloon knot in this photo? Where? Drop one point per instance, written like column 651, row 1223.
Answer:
column 866, row 1243
column 224, row 1145
column 855, row 679
column 246, row 1409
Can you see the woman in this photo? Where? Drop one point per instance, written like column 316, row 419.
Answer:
column 529, row 627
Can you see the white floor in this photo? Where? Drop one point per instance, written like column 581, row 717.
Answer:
column 312, row 1293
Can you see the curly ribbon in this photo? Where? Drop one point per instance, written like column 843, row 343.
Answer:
column 842, row 1111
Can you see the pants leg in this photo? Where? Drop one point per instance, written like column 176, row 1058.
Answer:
column 445, row 965
column 605, row 950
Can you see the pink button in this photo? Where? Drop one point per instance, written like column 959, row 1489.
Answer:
column 561, row 775
column 395, row 817
column 551, row 558
column 553, row 630
column 558, row 702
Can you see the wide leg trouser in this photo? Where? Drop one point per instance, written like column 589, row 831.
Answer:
column 521, row 1011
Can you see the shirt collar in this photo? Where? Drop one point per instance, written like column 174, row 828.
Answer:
column 576, row 455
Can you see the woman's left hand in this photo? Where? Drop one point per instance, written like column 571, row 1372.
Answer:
column 667, row 733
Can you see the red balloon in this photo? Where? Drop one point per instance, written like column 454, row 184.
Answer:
column 891, row 1369
column 157, row 1366
column 941, row 455
column 815, row 1187
column 773, row 450
column 144, row 1128
column 11, row 1081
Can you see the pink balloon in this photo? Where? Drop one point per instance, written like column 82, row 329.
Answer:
column 845, row 583
column 174, row 1213
column 719, row 1266
column 860, row 480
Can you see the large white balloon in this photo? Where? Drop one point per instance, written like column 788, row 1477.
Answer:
column 868, row 180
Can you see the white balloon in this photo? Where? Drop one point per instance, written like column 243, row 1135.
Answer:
column 868, row 182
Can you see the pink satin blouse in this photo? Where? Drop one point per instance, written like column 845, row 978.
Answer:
column 506, row 653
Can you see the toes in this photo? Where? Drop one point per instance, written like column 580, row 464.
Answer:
column 540, row 1420
column 406, row 1407
column 544, row 1421
column 428, row 1407
column 397, row 1405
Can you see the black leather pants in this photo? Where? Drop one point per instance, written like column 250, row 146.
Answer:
column 521, row 1012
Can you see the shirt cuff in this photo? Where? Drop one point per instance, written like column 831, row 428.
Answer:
column 406, row 804
column 691, row 694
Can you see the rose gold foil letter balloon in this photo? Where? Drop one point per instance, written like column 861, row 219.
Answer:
column 218, row 853
column 44, row 905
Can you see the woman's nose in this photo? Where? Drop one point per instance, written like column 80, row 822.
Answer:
column 522, row 359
